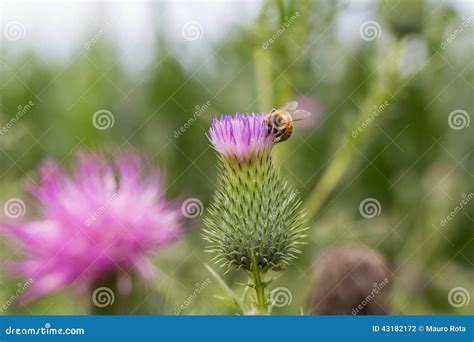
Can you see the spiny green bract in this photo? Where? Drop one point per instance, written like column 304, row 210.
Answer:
column 253, row 212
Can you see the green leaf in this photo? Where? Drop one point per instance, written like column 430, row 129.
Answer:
column 230, row 293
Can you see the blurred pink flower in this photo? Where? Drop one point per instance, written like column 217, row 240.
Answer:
column 312, row 106
column 106, row 217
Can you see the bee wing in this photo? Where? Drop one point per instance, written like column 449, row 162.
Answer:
column 290, row 106
column 300, row 115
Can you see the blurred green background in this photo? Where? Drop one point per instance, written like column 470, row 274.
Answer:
column 154, row 65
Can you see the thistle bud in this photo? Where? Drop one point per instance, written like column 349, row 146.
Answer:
column 255, row 216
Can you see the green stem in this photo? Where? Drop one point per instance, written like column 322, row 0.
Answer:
column 258, row 278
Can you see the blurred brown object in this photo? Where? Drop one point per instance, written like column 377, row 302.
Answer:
column 350, row 280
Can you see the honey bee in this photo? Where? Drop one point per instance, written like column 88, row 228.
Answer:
column 280, row 121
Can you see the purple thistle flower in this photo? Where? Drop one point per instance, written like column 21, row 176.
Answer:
column 241, row 136
column 255, row 222
column 107, row 217
column 254, row 218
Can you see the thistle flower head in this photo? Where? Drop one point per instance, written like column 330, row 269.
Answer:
column 255, row 215
column 106, row 217
column 241, row 137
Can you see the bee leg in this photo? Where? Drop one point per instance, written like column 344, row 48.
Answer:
column 279, row 133
column 270, row 129
column 276, row 138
